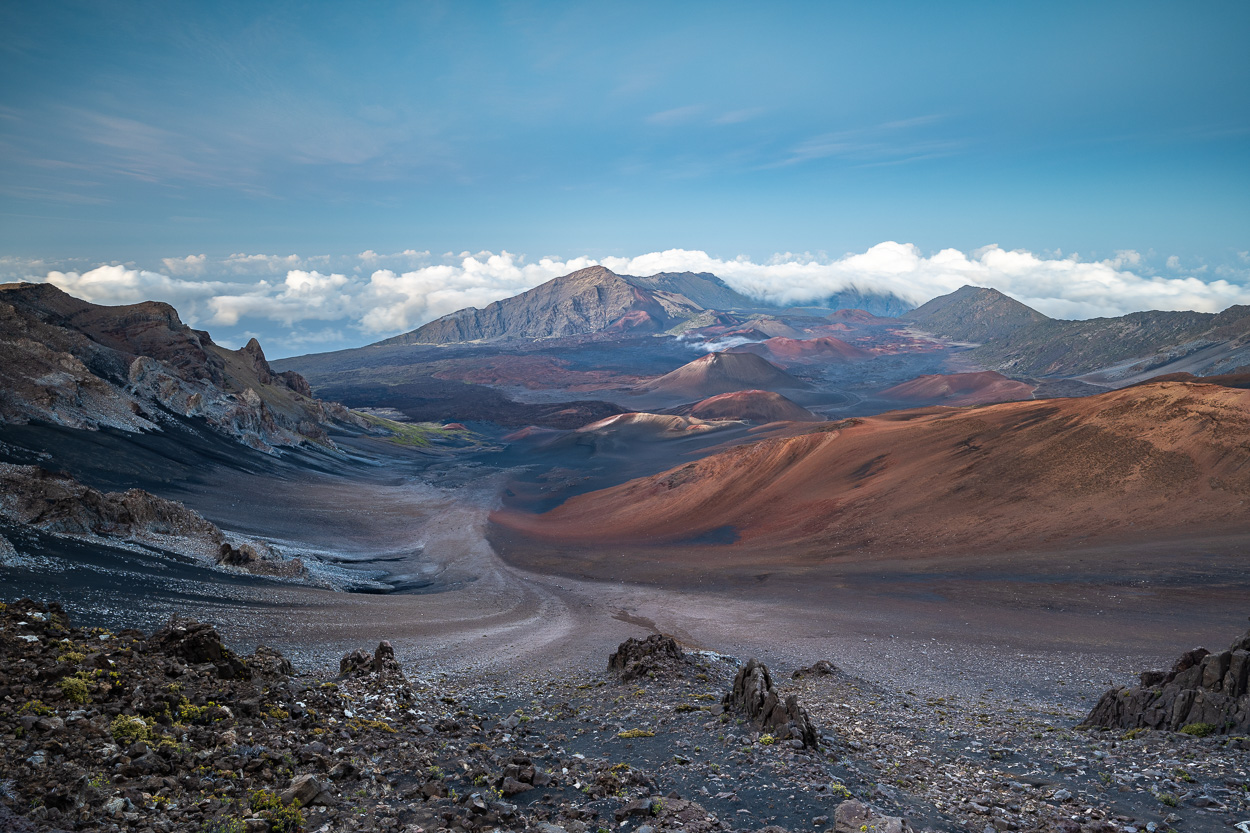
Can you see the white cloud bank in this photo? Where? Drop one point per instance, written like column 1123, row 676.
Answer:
column 380, row 295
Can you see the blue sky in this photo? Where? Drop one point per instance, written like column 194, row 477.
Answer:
column 135, row 132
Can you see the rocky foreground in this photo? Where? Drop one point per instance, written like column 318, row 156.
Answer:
column 175, row 732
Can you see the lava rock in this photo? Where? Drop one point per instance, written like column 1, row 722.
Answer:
column 654, row 656
column 1204, row 690
column 754, row 695
column 820, row 668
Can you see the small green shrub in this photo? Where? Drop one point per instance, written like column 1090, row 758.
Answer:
column 635, row 733
column 1199, row 730
column 75, row 689
column 129, row 729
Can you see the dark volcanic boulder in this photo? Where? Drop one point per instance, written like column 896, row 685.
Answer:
column 269, row 662
column 360, row 662
column 1204, row 692
column 384, row 661
column 651, row 657
column 197, row 643
column 820, row 668
column 754, row 696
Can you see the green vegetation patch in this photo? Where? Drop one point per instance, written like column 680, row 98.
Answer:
column 1199, row 730
column 411, row 434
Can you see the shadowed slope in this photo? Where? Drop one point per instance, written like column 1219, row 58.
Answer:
column 1157, row 459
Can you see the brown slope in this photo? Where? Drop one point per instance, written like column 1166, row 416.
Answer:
column 959, row 389
column 752, row 406
column 724, row 372
column 1159, row 459
column 804, row 350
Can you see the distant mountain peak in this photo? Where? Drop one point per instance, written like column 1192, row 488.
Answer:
column 974, row 314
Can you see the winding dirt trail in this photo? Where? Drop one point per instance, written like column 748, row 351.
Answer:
column 1052, row 627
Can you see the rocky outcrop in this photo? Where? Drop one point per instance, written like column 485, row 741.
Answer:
column 754, row 696
column 360, row 662
column 819, row 668
column 1204, row 693
column 60, row 505
column 656, row 656
column 86, row 366
column 198, row 643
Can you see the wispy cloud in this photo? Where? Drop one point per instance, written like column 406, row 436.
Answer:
column 891, row 143
column 677, row 115
column 739, row 116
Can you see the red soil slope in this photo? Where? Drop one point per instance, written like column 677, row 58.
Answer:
column 960, row 389
column 752, row 406
column 804, row 351
column 724, row 372
column 1132, row 464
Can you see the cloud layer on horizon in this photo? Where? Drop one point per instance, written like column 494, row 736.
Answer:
column 360, row 298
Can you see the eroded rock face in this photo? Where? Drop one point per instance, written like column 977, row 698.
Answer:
column 60, row 504
column 1208, row 691
column 651, row 657
column 754, row 696
column 73, row 363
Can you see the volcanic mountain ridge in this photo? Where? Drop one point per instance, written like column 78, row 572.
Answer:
column 1019, row 340
column 587, row 301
